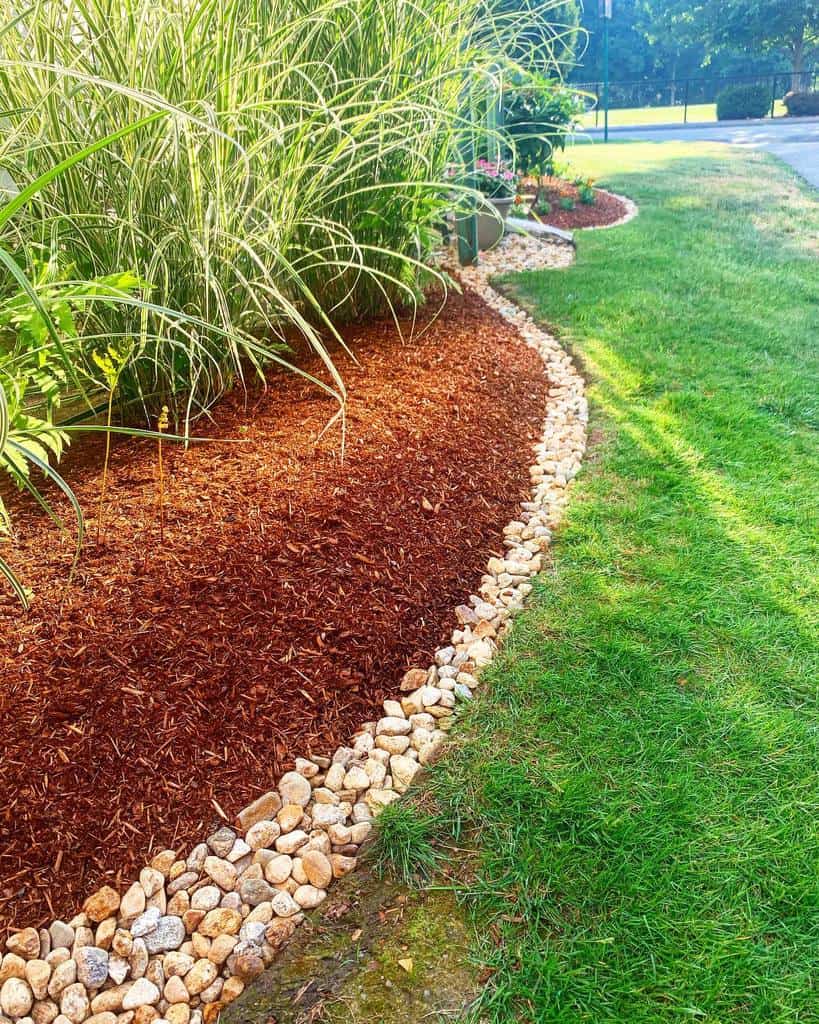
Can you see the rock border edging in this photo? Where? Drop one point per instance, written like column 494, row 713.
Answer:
column 188, row 936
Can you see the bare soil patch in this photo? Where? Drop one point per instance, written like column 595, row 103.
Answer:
column 173, row 681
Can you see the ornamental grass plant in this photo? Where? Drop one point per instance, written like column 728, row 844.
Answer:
column 218, row 180
column 298, row 179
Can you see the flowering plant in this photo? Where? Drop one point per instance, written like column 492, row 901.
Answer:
column 495, row 180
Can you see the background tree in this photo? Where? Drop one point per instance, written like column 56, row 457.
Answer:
column 763, row 26
column 668, row 40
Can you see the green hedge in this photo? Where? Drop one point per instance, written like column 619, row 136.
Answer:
column 738, row 102
column 802, row 104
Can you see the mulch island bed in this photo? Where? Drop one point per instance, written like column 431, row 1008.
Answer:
column 172, row 680
column 606, row 208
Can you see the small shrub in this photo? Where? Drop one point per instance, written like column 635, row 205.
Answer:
column 567, row 203
column 539, row 114
column 543, row 207
column 740, row 102
column 586, row 193
column 802, row 104
column 402, row 843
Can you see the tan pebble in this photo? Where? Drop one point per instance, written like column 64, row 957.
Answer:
column 289, row 817
column 177, row 868
column 58, row 956
column 178, row 1013
column 248, row 966
column 232, row 989
column 101, row 904
column 62, row 976
column 294, row 789
column 210, row 1013
column 163, row 861
column 262, row 913
column 175, row 990
column 341, row 865
column 317, row 868
column 25, row 943
column 262, row 835
column 110, row 999
column 284, row 905
column 106, row 1017
column 145, row 1014
column 360, row 832
column 151, row 881
column 38, row 975
column 105, row 933
column 74, row 1003
column 82, row 937
column 264, row 807
column 221, row 921
column 212, row 993
column 177, row 964
column 141, row 993
column 278, row 869
column 138, row 959
column 308, row 896
column 44, row 1011
column 179, row 903
column 192, row 919
column 292, row 841
column 200, row 945
column 13, row 966
column 155, row 973
column 200, row 976
column 221, row 948
column 122, row 942
column 279, row 930
column 221, row 871
column 16, row 997
column 133, row 902
column 298, row 871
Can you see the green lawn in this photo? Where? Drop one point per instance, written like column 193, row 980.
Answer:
column 661, row 115
column 642, row 771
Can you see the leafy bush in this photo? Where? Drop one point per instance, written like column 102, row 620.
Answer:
column 802, row 104
column 543, row 207
column 539, row 117
column 739, row 102
column 585, row 191
column 567, row 203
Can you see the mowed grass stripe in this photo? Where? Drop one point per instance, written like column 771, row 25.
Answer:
column 643, row 769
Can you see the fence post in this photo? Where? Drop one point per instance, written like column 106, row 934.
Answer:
column 773, row 94
column 685, row 111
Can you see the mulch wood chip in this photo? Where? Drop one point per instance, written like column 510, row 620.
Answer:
column 606, row 208
column 174, row 679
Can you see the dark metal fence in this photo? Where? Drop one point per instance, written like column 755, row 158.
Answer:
column 684, row 93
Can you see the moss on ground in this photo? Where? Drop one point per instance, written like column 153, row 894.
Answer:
column 375, row 952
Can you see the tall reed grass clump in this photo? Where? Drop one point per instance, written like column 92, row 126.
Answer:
column 189, row 186
column 299, row 177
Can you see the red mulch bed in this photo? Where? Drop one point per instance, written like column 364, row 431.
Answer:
column 173, row 680
column 606, row 208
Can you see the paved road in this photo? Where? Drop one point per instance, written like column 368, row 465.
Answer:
column 796, row 142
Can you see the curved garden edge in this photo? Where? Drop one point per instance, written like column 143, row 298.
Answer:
column 186, row 938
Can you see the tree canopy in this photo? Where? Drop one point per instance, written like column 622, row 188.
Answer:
column 672, row 39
